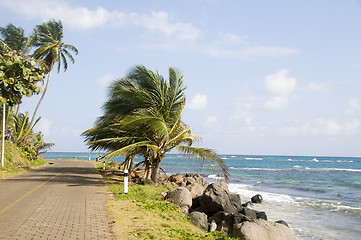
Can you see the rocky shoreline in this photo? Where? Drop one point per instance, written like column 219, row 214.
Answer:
column 212, row 207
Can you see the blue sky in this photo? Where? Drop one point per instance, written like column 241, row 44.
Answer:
column 262, row 77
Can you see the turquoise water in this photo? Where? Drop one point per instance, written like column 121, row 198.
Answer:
column 319, row 197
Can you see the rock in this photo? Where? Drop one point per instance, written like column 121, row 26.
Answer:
column 282, row 222
column 262, row 230
column 223, row 220
column 261, row 215
column 200, row 220
column 180, row 196
column 247, row 204
column 249, row 213
column 257, row 199
column 236, row 201
column 176, row 178
column 239, row 218
column 212, row 226
column 185, row 210
column 196, row 202
column 216, row 198
column 193, row 178
column 195, row 189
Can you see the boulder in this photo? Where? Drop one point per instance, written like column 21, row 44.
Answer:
column 216, row 198
column 180, row 196
column 261, row 215
column 282, row 222
column 236, row 201
column 223, row 220
column 249, row 213
column 212, row 226
column 195, row 189
column 247, row 204
column 176, row 178
column 193, row 178
column 262, row 230
column 200, row 220
column 257, row 198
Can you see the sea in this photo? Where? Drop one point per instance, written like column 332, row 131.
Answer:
column 318, row 197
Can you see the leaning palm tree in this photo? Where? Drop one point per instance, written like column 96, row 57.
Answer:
column 147, row 109
column 50, row 48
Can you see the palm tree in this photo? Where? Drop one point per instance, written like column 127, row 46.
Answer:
column 15, row 38
column 144, row 114
column 51, row 49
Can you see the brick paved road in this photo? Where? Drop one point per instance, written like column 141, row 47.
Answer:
column 64, row 200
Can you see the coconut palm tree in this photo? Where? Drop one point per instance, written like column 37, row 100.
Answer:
column 15, row 38
column 50, row 48
column 143, row 115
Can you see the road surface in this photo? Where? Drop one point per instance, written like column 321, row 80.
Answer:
column 63, row 200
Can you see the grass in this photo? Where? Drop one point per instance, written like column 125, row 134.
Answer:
column 15, row 163
column 142, row 214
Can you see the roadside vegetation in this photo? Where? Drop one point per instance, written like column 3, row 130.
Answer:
column 143, row 214
column 24, row 63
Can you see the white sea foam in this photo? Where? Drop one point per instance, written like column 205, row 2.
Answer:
column 246, row 191
column 260, row 169
column 216, row 177
column 296, row 166
column 257, row 159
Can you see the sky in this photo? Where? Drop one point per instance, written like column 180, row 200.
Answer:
column 263, row 77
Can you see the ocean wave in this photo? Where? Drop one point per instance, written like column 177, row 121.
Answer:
column 337, row 169
column 257, row 159
column 260, row 169
column 330, row 206
column 214, row 176
column 247, row 191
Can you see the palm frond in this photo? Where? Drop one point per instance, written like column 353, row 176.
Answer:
column 205, row 154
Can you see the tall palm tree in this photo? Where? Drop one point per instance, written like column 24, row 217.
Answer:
column 50, row 48
column 146, row 111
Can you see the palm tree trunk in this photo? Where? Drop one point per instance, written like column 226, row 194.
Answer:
column 17, row 110
column 42, row 96
column 155, row 170
column 147, row 169
column 129, row 161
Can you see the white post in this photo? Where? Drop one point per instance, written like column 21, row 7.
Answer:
column 103, row 165
column 125, row 181
column 3, row 138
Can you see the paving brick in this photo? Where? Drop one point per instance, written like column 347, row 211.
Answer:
column 69, row 206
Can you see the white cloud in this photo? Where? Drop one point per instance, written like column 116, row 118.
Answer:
column 105, row 80
column 354, row 106
column 211, row 121
column 280, row 87
column 321, row 127
column 319, row 87
column 84, row 18
column 276, row 103
column 199, row 101
column 279, row 84
column 230, row 45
